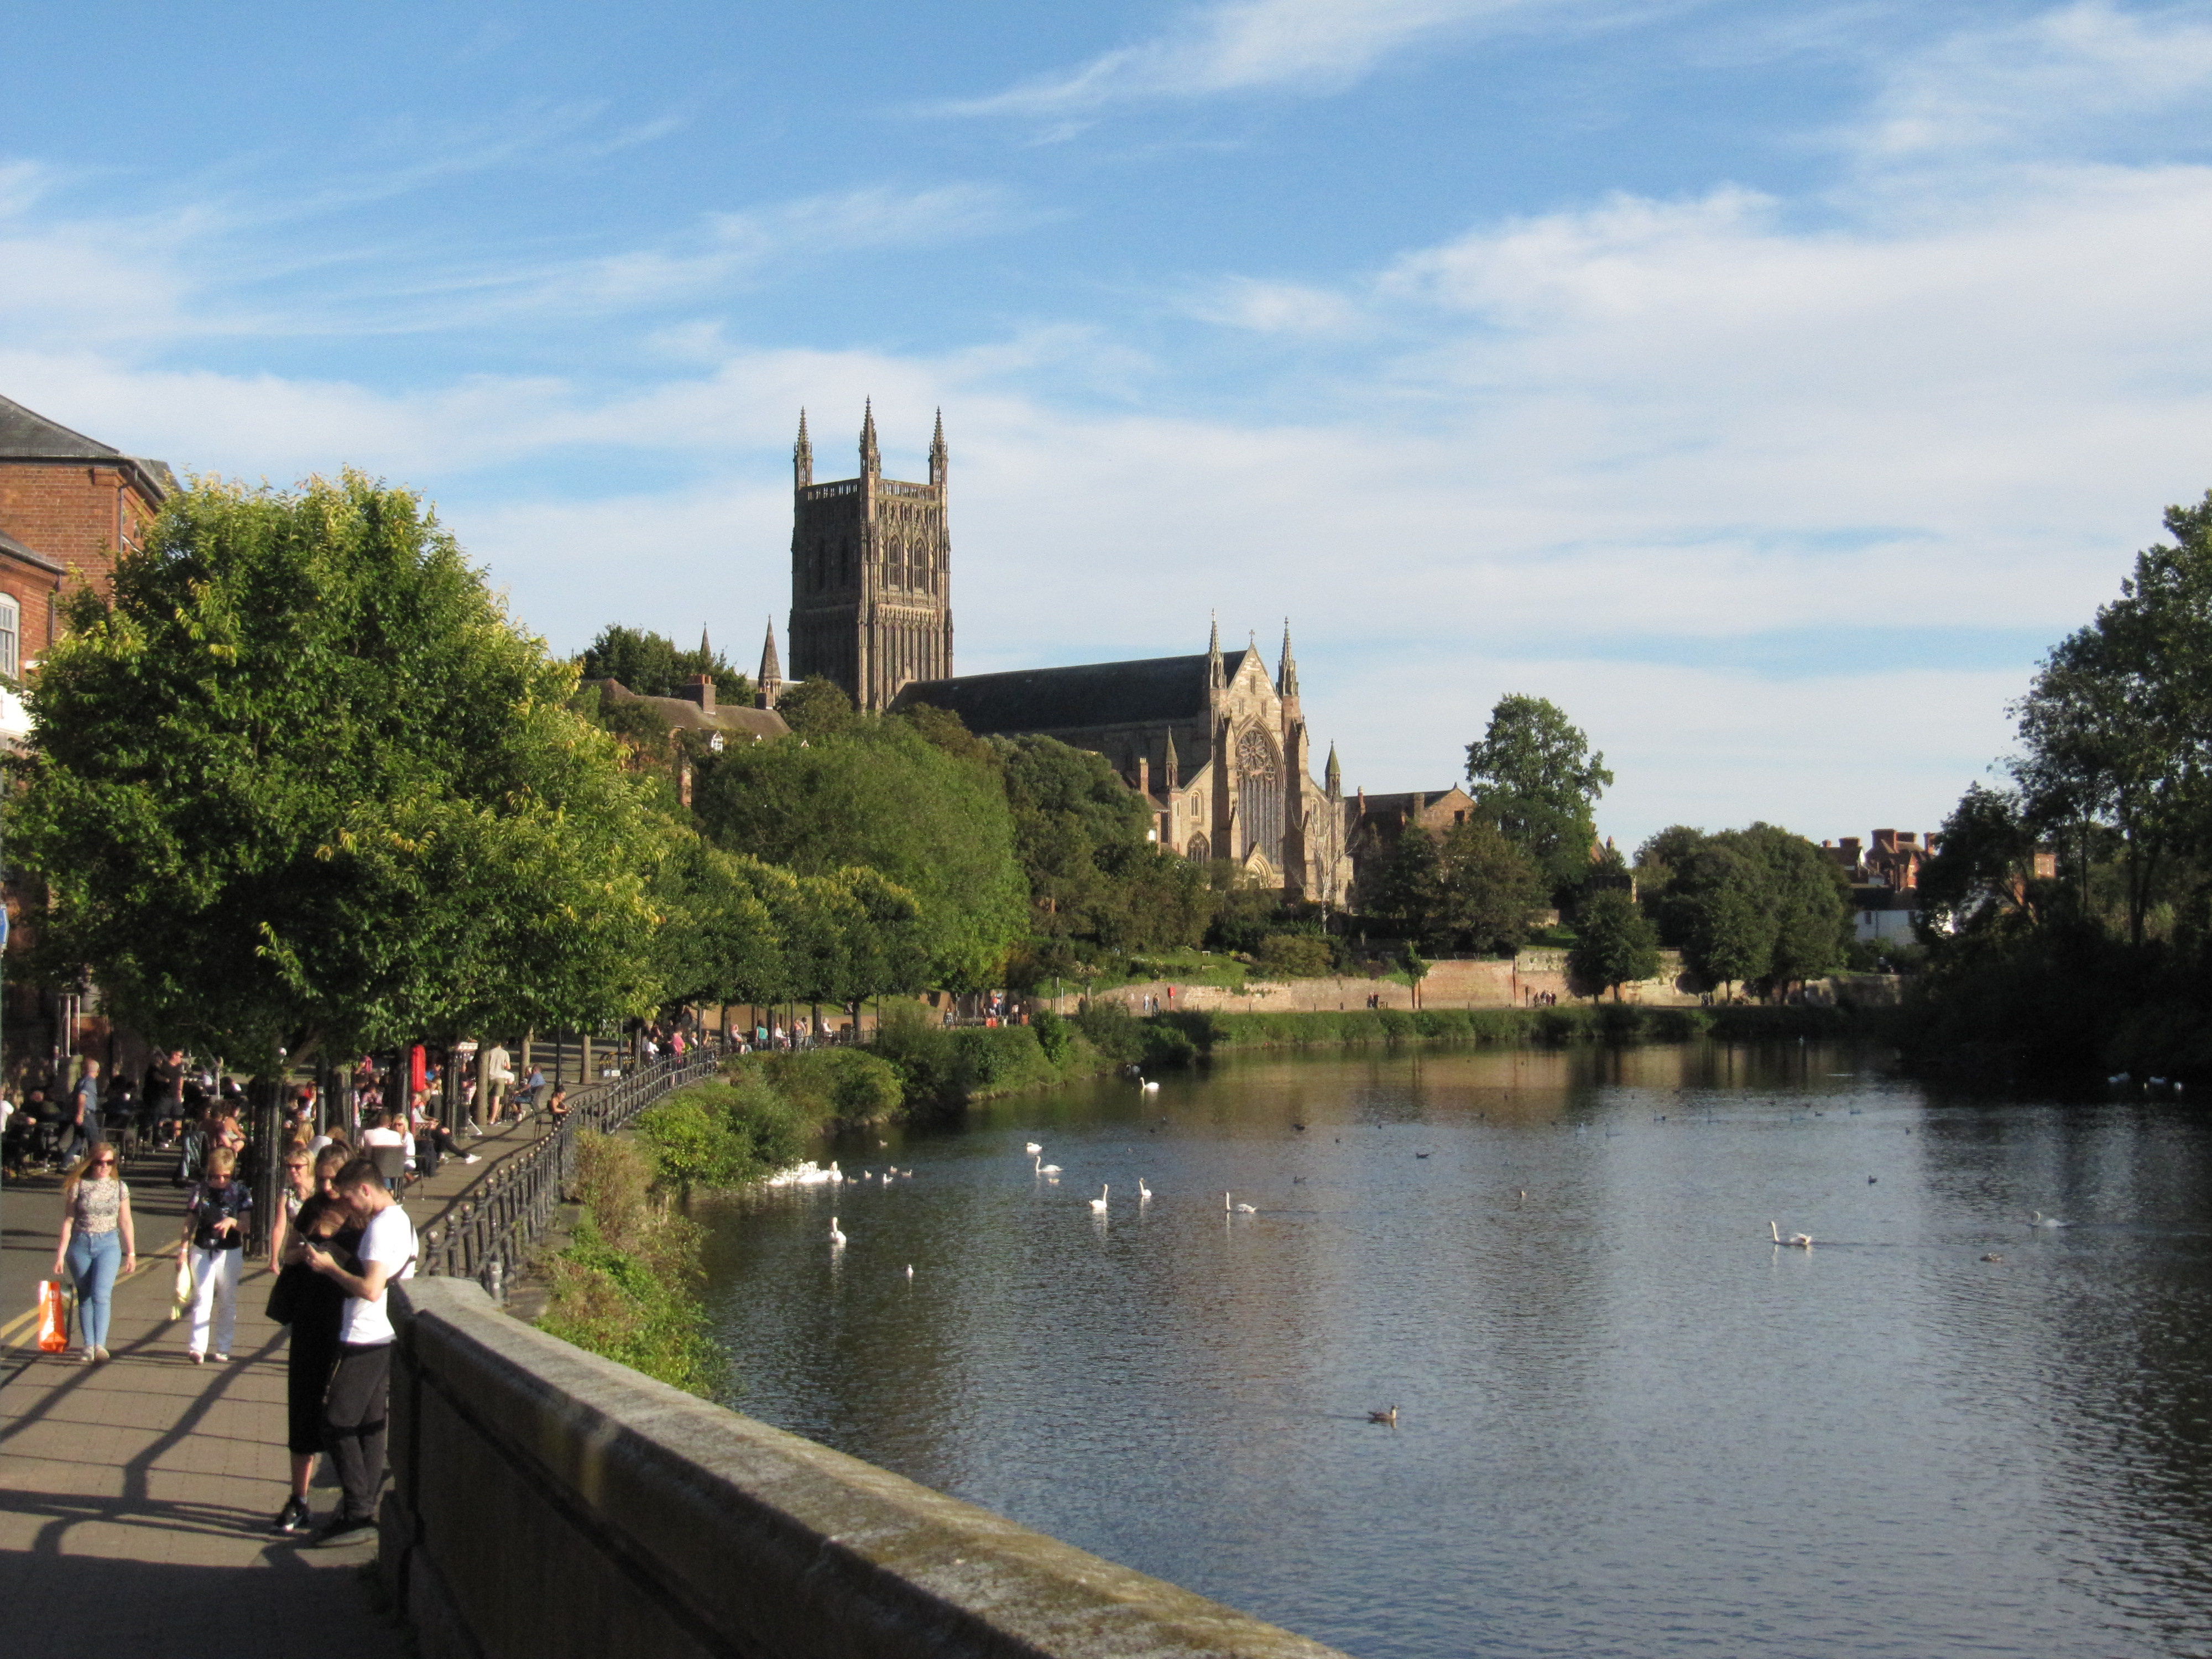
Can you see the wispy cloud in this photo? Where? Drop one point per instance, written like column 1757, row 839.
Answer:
column 2063, row 76
column 1236, row 45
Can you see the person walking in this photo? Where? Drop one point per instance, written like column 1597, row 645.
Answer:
column 297, row 1187
column 355, row 1409
column 313, row 1307
column 213, row 1246
column 97, row 1241
column 84, row 1110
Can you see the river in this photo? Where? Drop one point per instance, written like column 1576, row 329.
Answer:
column 1627, row 1423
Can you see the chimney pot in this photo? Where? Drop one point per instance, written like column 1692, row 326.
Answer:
column 701, row 690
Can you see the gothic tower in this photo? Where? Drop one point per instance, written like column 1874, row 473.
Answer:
column 1294, row 772
column 871, row 573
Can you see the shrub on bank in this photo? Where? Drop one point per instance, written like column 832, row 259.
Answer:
column 627, row 1286
column 721, row 1134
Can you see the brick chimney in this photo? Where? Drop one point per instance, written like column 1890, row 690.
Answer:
column 701, row 690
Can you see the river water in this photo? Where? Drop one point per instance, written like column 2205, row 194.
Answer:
column 1627, row 1423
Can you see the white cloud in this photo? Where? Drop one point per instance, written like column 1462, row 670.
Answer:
column 1234, row 45
column 2062, row 75
column 1265, row 307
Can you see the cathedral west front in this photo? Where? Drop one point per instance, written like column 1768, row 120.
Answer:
column 1216, row 743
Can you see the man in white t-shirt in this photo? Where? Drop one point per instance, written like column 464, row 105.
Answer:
column 354, row 1410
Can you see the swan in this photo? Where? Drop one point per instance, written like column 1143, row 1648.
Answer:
column 1799, row 1241
column 2037, row 1218
column 1151, row 1088
column 1388, row 1414
column 1241, row 1209
column 1098, row 1204
column 909, row 1270
column 836, row 1238
column 1033, row 1147
column 1992, row 1256
column 1143, row 1193
column 1043, row 1168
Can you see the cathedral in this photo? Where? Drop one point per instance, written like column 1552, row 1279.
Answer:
column 1215, row 742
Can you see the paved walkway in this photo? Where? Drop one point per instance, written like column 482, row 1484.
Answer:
column 136, row 1496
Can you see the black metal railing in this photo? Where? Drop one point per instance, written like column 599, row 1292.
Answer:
column 487, row 1229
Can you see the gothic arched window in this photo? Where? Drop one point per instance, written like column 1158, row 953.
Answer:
column 1200, row 850
column 1259, row 797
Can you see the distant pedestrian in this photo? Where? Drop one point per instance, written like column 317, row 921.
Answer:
column 213, row 1246
column 97, row 1242
column 84, row 1111
column 354, row 1410
column 292, row 1195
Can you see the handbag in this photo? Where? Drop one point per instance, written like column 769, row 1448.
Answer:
column 185, row 1289
column 284, row 1295
column 53, row 1317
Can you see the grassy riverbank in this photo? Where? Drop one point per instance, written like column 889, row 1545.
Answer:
column 1607, row 1022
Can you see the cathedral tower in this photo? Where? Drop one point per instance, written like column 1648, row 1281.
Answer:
column 871, row 574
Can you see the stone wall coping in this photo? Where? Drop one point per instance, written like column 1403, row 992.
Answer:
column 766, row 1542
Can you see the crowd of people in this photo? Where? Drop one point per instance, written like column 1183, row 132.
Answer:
column 336, row 1237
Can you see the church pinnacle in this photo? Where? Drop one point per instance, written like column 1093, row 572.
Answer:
column 871, row 461
column 802, row 455
column 1286, row 677
column 938, row 457
column 1214, row 680
column 771, row 678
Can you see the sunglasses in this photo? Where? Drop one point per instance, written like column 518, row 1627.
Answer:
column 103, row 1164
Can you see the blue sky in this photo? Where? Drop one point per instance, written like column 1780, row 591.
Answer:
column 1768, row 386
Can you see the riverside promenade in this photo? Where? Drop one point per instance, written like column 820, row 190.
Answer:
column 136, row 1496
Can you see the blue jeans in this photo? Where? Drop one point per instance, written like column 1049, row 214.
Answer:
column 94, row 1258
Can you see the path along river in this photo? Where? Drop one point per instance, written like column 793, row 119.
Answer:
column 1627, row 1423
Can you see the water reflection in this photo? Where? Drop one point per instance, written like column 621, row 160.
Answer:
column 1628, row 1424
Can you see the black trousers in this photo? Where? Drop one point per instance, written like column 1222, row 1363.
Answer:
column 308, row 1366
column 354, row 1423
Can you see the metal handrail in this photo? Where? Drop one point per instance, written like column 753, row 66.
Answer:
column 489, row 1228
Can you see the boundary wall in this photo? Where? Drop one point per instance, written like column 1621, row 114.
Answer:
column 547, row 1501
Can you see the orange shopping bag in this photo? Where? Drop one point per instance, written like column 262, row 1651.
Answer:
column 53, row 1317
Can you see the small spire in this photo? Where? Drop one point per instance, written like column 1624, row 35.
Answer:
column 1286, row 678
column 802, row 455
column 1171, row 768
column 871, row 460
column 770, row 679
column 1333, row 779
column 938, row 457
column 706, row 647
column 1213, row 675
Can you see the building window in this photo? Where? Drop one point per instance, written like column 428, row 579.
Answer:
column 11, row 637
column 1260, row 798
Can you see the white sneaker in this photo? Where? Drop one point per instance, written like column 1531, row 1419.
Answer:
column 471, row 1157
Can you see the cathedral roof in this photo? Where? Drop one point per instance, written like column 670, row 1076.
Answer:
column 1403, row 801
column 1151, row 690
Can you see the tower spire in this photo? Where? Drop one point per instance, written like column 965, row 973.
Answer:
column 940, row 459
column 871, row 460
column 1286, row 677
column 1214, row 681
column 771, row 678
column 1172, row 767
column 1333, row 779
column 802, row 456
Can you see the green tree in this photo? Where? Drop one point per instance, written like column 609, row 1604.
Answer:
column 1489, row 892
column 1614, row 943
column 816, row 709
column 1758, row 905
column 1533, row 775
column 880, row 797
column 652, row 666
column 1406, row 890
column 1983, row 871
column 300, row 783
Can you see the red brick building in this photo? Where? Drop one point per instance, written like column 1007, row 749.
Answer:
column 68, row 505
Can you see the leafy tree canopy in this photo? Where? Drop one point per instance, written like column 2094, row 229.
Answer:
column 1758, row 905
column 1614, row 943
column 1533, row 775
column 816, row 709
column 654, row 666
column 1469, row 888
column 300, row 783
column 879, row 796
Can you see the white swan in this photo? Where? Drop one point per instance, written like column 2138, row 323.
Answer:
column 909, row 1270
column 1241, row 1209
column 1045, row 1169
column 1151, row 1088
column 2037, row 1218
column 1098, row 1204
column 1033, row 1147
column 1143, row 1193
column 836, row 1238
column 1798, row 1241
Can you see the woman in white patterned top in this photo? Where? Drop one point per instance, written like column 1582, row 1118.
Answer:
column 97, row 1241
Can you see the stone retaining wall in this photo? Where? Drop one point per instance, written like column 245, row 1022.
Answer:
column 549, row 1502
